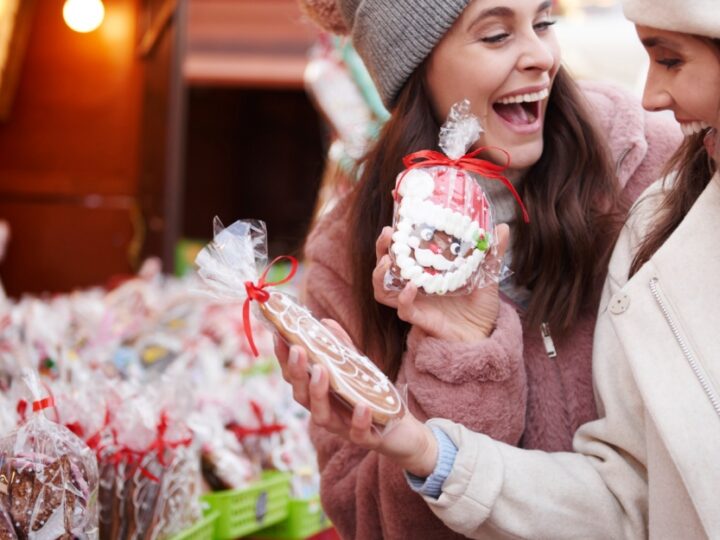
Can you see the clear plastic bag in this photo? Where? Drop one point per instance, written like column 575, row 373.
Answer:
column 48, row 478
column 443, row 227
column 230, row 266
column 149, row 469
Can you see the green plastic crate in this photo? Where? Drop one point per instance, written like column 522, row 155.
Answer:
column 306, row 518
column 244, row 511
column 202, row 530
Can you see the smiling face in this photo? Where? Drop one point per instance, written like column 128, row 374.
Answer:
column 438, row 250
column 501, row 55
column 684, row 77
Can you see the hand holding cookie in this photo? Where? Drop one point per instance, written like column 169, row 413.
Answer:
column 458, row 318
column 230, row 265
column 353, row 377
column 409, row 442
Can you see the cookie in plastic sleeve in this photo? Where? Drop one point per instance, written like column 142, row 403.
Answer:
column 229, row 265
column 443, row 228
column 48, row 477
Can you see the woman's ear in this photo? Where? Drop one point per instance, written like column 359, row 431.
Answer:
column 326, row 14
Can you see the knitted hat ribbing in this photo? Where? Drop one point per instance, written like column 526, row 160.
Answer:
column 700, row 17
column 393, row 37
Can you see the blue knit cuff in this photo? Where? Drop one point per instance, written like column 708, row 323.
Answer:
column 432, row 485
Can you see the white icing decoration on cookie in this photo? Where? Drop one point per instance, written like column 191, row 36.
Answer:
column 416, row 183
column 356, row 375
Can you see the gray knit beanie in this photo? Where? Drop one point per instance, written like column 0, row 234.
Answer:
column 393, row 37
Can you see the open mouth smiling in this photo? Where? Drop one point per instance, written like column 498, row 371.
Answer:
column 521, row 111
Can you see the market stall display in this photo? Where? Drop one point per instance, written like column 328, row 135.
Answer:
column 155, row 380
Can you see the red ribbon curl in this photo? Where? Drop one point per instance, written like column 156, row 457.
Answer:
column 468, row 162
column 258, row 293
column 263, row 430
column 133, row 458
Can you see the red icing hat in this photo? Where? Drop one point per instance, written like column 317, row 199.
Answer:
column 459, row 192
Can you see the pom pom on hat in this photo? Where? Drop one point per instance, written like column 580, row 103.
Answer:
column 326, row 14
column 699, row 17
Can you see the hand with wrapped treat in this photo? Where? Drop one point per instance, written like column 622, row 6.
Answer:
column 457, row 318
column 407, row 441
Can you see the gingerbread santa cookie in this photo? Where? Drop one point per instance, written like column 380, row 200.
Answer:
column 229, row 266
column 443, row 224
column 442, row 229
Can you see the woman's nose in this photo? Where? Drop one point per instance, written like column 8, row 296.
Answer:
column 538, row 55
column 656, row 97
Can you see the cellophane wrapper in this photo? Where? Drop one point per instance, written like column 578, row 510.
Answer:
column 48, row 480
column 443, row 237
column 233, row 261
column 149, row 471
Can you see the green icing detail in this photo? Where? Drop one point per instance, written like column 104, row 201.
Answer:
column 483, row 243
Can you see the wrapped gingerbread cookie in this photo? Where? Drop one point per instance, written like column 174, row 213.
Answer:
column 231, row 265
column 48, row 477
column 149, row 469
column 443, row 237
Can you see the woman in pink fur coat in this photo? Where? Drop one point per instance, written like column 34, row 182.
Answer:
column 512, row 361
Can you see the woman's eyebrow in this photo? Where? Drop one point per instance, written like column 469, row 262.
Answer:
column 502, row 11
column 654, row 41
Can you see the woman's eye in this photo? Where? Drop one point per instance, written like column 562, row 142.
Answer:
column 497, row 38
column 455, row 248
column 669, row 62
column 426, row 233
column 544, row 25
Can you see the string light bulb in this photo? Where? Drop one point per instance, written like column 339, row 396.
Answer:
column 83, row 15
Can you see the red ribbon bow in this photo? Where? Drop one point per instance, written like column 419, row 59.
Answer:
column 468, row 162
column 264, row 430
column 258, row 293
column 161, row 443
column 133, row 459
column 37, row 406
column 42, row 404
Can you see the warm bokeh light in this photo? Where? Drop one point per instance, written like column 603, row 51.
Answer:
column 83, row 15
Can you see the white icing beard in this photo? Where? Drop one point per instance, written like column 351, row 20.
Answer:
column 414, row 262
column 428, row 259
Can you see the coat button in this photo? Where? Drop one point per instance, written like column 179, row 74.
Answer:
column 619, row 303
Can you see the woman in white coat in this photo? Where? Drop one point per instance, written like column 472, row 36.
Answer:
column 650, row 466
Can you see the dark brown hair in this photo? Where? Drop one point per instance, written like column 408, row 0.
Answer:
column 571, row 194
column 694, row 169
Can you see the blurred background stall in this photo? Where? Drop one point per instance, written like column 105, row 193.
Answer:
column 124, row 140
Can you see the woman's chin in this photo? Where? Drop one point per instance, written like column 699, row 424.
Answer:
column 522, row 157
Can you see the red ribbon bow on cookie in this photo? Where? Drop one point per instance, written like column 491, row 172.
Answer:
column 468, row 162
column 257, row 292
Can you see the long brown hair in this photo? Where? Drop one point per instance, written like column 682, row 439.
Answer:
column 571, row 194
column 693, row 170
